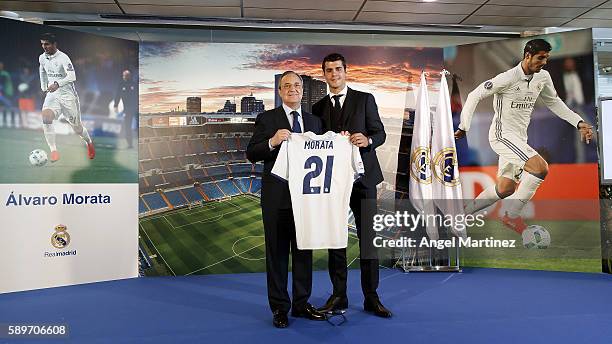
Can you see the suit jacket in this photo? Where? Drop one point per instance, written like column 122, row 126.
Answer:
column 359, row 115
column 274, row 191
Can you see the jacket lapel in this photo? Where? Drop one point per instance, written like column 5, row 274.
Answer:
column 281, row 119
column 348, row 108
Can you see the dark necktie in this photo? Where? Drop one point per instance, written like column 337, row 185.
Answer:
column 297, row 128
column 335, row 117
column 337, row 106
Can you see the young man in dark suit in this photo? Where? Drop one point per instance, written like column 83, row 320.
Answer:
column 354, row 113
column 271, row 129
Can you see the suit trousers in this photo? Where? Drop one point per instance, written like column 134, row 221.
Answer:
column 363, row 205
column 279, row 230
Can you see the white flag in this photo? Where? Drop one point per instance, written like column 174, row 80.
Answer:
column 420, row 188
column 444, row 164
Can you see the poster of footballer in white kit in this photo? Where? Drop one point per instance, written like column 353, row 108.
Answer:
column 67, row 112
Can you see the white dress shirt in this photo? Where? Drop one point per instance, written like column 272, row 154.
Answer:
column 288, row 111
column 343, row 93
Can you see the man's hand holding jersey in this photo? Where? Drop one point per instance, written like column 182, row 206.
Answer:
column 280, row 136
column 358, row 139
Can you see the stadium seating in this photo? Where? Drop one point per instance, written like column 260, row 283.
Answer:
column 197, row 146
column 170, row 164
column 209, row 159
column 224, row 157
column 178, row 178
column 159, row 149
column 142, row 208
column 243, row 184
column 189, row 159
column 228, row 187
column 256, row 185
column 212, row 191
column 243, row 142
column 154, row 201
column 192, row 194
column 171, row 150
column 214, row 145
column 218, row 171
column 241, row 168
column 230, row 143
column 179, row 148
column 176, row 198
column 237, row 156
column 143, row 151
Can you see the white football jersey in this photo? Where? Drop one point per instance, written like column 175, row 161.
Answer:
column 321, row 170
column 514, row 97
column 57, row 68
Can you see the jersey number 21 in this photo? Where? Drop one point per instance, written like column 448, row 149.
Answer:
column 318, row 167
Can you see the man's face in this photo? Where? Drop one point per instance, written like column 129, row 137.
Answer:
column 126, row 75
column 291, row 89
column 335, row 74
column 537, row 61
column 49, row 48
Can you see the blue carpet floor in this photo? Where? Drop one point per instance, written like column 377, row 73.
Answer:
column 476, row 306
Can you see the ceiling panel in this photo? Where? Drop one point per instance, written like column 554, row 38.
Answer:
column 546, row 3
column 608, row 4
column 598, row 13
column 347, row 5
column 385, row 17
column 514, row 21
column 183, row 11
column 421, row 7
column 299, row 14
column 48, row 6
column 477, row 2
column 199, row 3
column 544, row 12
column 586, row 23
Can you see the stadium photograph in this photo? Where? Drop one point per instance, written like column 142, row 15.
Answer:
column 199, row 195
column 63, row 115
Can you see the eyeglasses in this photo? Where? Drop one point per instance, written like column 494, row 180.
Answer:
column 297, row 86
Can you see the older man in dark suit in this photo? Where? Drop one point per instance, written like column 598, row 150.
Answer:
column 271, row 129
column 354, row 113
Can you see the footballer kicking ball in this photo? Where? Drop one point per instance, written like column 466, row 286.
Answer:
column 38, row 157
column 535, row 236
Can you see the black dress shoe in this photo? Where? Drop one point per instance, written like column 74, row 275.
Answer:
column 335, row 304
column 279, row 319
column 307, row 311
column 373, row 305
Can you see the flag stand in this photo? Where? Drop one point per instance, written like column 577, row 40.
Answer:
column 410, row 262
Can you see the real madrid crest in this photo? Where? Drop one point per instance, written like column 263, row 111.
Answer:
column 445, row 163
column 60, row 239
column 420, row 166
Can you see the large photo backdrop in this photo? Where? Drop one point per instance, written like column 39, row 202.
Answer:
column 70, row 213
column 199, row 196
column 567, row 202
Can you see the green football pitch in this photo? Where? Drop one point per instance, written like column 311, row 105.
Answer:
column 112, row 164
column 216, row 238
column 227, row 237
column 575, row 246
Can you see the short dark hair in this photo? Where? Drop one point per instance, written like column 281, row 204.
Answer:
column 535, row 46
column 48, row 37
column 332, row 58
column 287, row 73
